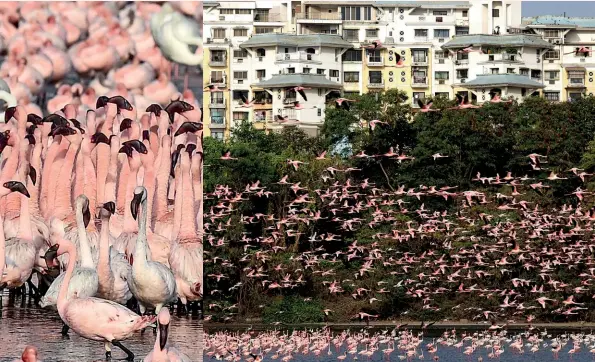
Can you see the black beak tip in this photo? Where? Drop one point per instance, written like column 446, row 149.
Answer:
column 110, row 206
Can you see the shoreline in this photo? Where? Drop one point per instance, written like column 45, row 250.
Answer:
column 411, row 325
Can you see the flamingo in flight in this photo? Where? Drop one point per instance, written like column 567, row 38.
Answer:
column 344, row 103
column 495, row 97
column 425, row 107
column 246, row 103
column 463, row 103
column 300, row 90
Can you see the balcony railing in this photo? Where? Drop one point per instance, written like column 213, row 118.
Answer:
column 218, row 103
column 461, row 61
column 289, row 100
column 462, row 22
column 263, row 118
column 218, row 81
column 318, row 16
column 297, row 56
column 267, row 18
column 420, row 60
column 351, row 39
column 420, row 81
column 421, row 38
column 218, row 61
column 217, row 122
column 375, row 61
column 375, row 84
column 579, row 83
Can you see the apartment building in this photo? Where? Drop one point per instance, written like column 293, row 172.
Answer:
column 260, row 50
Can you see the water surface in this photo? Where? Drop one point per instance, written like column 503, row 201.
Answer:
column 23, row 325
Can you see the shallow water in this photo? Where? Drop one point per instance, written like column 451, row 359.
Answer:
column 21, row 326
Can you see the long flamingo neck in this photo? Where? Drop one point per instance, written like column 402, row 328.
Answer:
column 2, row 244
column 112, row 174
column 34, row 189
column 178, row 203
column 103, row 164
column 187, row 227
column 25, row 232
column 140, row 250
column 103, row 266
column 162, row 181
column 86, row 257
column 46, row 183
column 62, row 201
column 62, row 301
column 89, row 182
column 198, row 193
column 129, row 223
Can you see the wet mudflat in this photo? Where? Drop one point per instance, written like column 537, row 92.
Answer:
column 21, row 325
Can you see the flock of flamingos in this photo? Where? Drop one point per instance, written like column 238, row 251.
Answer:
column 88, row 177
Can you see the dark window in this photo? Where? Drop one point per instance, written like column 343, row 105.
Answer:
column 352, row 55
column 496, row 13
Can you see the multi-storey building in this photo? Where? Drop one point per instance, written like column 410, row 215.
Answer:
column 262, row 49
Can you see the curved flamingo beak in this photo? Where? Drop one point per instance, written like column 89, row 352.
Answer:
column 163, row 335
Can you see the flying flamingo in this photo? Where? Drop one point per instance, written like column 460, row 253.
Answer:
column 344, row 103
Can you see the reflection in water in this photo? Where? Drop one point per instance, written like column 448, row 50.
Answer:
column 22, row 325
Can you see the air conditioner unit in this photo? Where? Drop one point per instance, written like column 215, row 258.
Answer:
column 441, row 40
column 209, row 40
column 222, row 18
column 240, row 81
column 440, row 61
column 439, row 19
column 260, row 59
column 463, row 80
column 287, row 57
column 538, row 60
column 552, row 82
column 441, row 81
column 557, row 41
column 240, row 60
column 457, row 62
column 551, row 61
column 583, row 60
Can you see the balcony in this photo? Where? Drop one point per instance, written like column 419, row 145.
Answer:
column 459, row 62
column 421, row 39
column 289, row 100
column 217, row 122
column 462, row 22
column 375, row 61
column 420, row 82
column 218, row 61
column 419, row 60
column 218, row 103
column 218, row 81
column 263, row 118
column 576, row 83
column 318, row 17
column 268, row 18
column 375, row 85
column 297, row 57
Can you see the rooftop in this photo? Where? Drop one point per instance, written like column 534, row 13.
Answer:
column 559, row 21
column 509, row 40
column 404, row 4
column 302, row 40
column 493, row 80
column 298, row 79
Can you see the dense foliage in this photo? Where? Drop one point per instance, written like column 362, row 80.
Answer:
column 493, row 139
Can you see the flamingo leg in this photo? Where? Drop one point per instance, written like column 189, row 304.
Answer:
column 65, row 329
column 129, row 354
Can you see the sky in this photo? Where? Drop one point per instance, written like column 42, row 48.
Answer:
column 572, row 8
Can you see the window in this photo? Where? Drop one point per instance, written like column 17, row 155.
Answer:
column 242, row 53
column 240, row 32
column 261, row 15
column 510, row 70
column 290, row 95
column 240, row 116
column 552, row 96
column 236, row 94
column 419, row 76
column 350, row 13
column 218, row 55
column 551, row 33
column 441, row 33
column 495, row 13
column 264, row 30
column 439, row 54
column 375, row 77
column 524, row 71
column 552, row 54
column 261, row 73
column 574, row 96
column 240, row 75
column 291, row 70
column 371, row 33
column 334, row 73
column 374, row 56
column 217, row 98
column 535, row 73
column 352, row 55
column 351, row 77
column 418, row 95
column 462, row 73
column 218, row 135
column 217, row 116
column 494, row 70
column 218, row 33
column 465, row 13
column 441, row 75
column 464, row 30
column 367, row 13
column 443, row 95
column 217, row 76
column 462, row 56
column 307, row 70
column 320, row 71
column 351, row 34
column 225, row 11
column 421, row 33
column 419, row 56
column 552, row 74
column 319, row 112
column 440, row 12
column 576, row 77
column 243, row 11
